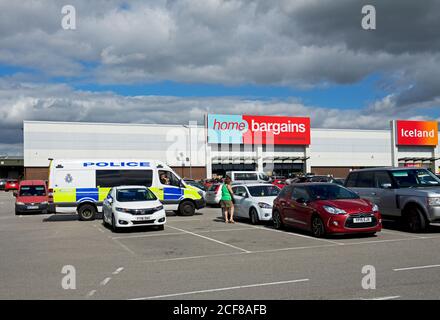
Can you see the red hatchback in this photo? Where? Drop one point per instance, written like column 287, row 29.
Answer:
column 325, row 208
column 11, row 185
column 32, row 196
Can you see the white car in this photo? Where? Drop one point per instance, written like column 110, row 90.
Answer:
column 214, row 194
column 254, row 201
column 132, row 206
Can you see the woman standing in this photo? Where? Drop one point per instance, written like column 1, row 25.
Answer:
column 227, row 201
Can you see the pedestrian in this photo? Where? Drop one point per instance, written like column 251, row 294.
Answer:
column 226, row 201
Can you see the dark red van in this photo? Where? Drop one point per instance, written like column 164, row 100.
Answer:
column 31, row 196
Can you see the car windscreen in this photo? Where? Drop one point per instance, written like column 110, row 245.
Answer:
column 134, row 194
column 330, row 192
column 415, row 178
column 32, row 191
column 264, row 191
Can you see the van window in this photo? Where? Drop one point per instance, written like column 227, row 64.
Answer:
column 245, row 176
column 365, row 179
column 351, row 180
column 168, row 178
column 114, row 178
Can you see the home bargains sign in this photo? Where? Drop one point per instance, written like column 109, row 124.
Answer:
column 417, row 133
column 245, row 129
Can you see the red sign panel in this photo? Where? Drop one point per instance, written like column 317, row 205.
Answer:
column 417, row 133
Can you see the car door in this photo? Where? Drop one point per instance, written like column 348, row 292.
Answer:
column 365, row 185
column 299, row 209
column 240, row 196
column 169, row 184
column 385, row 193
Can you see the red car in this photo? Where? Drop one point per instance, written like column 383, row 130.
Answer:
column 280, row 183
column 11, row 185
column 32, row 196
column 325, row 208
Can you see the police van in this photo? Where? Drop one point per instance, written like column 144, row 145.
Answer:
column 84, row 184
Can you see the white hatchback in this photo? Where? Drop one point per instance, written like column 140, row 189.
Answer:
column 254, row 201
column 132, row 206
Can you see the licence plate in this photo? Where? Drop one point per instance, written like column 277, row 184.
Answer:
column 362, row 220
column 32, row 207
column 142, row 218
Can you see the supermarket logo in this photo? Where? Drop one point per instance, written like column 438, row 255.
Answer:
column 245, row 129
column 417, row 133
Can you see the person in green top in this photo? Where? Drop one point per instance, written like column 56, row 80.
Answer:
column 226, row 201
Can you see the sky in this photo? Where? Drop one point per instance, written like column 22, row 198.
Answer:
column 172, row 61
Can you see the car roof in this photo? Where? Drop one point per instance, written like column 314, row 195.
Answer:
column 385, row 169
column 32, row 182
column 252, row 184
column 129, row 187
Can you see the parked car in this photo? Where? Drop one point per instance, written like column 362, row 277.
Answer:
column 248, row 176
column 131, row 206
column 2, row 184
column 254, row 201
column 409, row 193
column 280, row 183
column 11, row 185
column 325, row 208
column 32, row 196
column 329, row 179
column 214, row 194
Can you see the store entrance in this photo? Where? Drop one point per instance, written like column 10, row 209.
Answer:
column 285, row 169
column 220, row 169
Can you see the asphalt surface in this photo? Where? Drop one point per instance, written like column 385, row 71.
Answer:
column 201, row 257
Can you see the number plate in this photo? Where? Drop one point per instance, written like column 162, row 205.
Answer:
column 143, row 218
column 32, row 207
column 362, row 220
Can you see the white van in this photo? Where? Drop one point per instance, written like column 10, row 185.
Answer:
column 248, row 176
column 84, row 184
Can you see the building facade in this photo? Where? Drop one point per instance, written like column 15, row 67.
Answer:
column 192, row 152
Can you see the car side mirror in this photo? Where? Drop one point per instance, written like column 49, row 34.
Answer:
column 386, row 185
column 15, row 194
column 181, row 184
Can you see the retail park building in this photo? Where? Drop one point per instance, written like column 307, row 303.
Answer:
column 276, row 145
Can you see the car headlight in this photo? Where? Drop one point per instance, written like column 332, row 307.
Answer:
column 375, row 208
column 20, row 203
column 121, row 209
column 264, row 205
column 434, row 201
column 158, row 208
column 334, row 210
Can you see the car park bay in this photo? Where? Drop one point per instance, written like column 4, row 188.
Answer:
column 201, row 257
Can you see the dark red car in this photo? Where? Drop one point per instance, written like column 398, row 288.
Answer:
column 32, row 196
column 11, row 185
column 325, row 208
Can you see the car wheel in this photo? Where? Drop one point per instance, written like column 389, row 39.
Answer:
column 87, row 212
column 416, row 221
column 114, row 227
column 277, row 221
column 318, row 229
column 187, row 208
column 254, row 216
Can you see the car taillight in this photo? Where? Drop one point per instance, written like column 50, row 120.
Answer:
column 217, row 188
column 50, row 195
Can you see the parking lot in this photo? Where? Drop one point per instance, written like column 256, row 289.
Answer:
column 201, row 257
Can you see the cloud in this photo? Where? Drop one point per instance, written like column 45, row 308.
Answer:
column 59, row 102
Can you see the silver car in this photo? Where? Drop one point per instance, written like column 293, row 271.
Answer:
column 412, row 194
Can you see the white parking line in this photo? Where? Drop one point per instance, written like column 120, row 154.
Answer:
column 222, row 289
column 105, row 281
column 401, row 233
column 149, row 235
column 91, row 293
column 382, row 298
column 210, row 239
column 419, row 267
column 124, row 246
column 197, row 257
column 118, row 270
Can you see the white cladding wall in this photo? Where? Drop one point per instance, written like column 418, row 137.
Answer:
column 347, row 147
column 169, row 143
